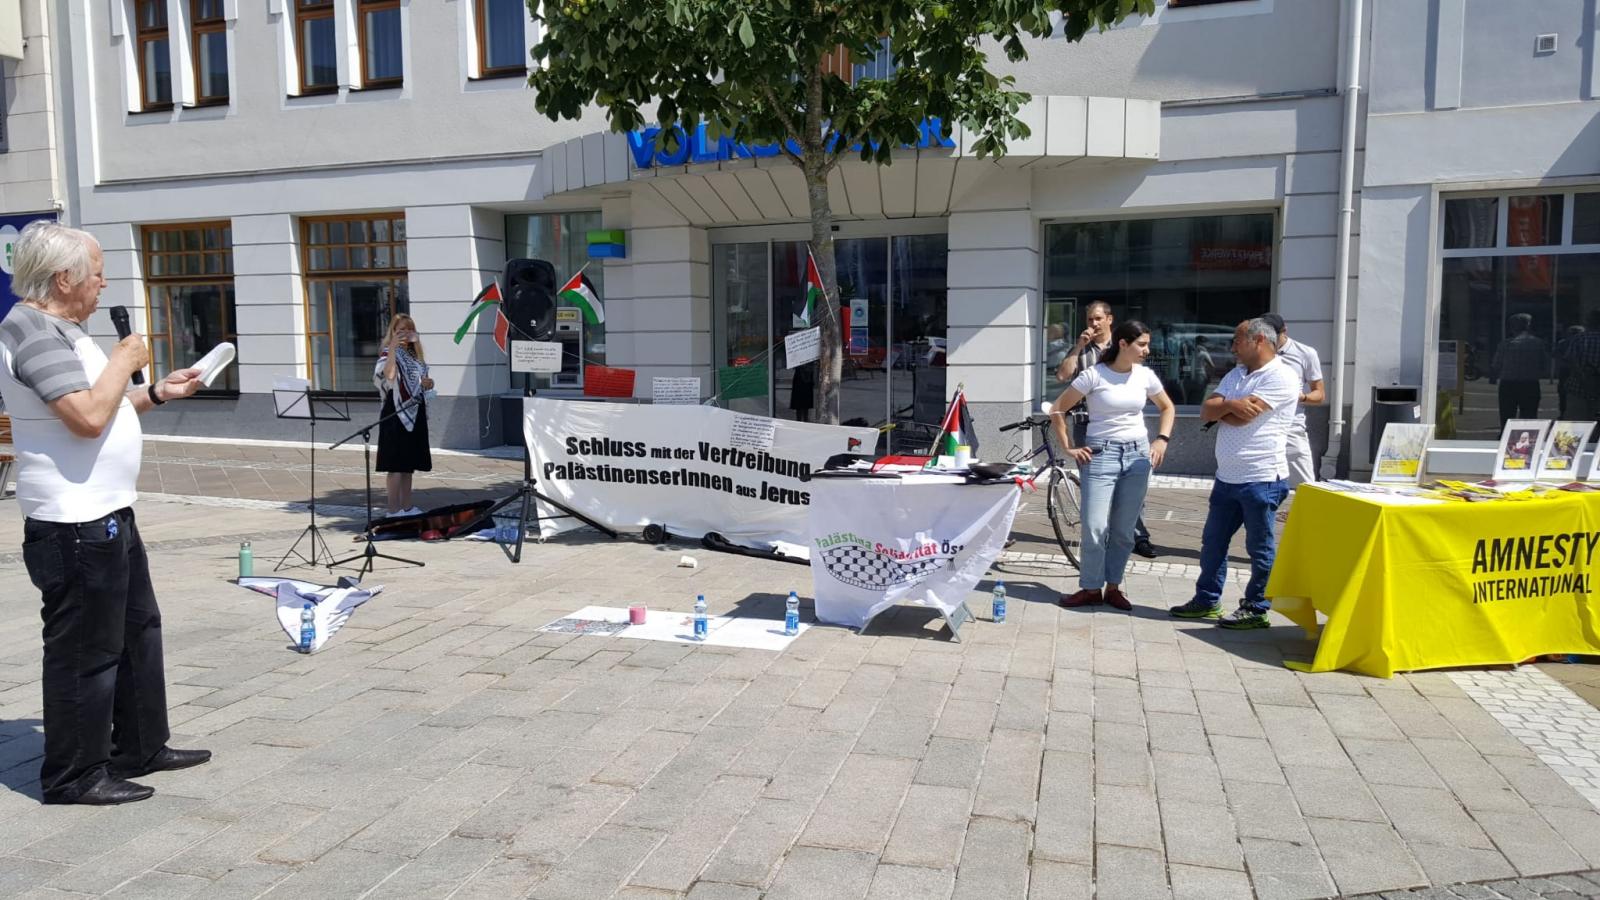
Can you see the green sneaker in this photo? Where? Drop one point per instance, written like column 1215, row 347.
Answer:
column 1196, row 609
column 1244, row 617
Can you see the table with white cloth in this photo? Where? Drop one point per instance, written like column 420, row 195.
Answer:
column 924, row 539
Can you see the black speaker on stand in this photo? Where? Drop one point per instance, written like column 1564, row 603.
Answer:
column 528, row 299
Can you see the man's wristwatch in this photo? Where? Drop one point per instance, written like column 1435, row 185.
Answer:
column 154, row 397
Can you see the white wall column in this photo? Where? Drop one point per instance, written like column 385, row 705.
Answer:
column 269, row 301
column 451, row 253
column 994, row 304
column 1389, row 335
column 658, row 301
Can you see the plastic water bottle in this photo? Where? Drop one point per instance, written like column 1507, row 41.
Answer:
column 791, row 614
column 308, row 628
column 998, row 611
column 247, row 560
column 701, row 626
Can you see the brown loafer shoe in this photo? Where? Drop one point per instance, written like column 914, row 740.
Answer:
column 1116, row 599
column 1088, row 597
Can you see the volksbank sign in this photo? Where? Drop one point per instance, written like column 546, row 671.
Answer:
column 699, row 148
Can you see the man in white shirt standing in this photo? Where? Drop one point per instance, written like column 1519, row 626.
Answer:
column 1255, row 404
column 1305, row 363
column 75, row 422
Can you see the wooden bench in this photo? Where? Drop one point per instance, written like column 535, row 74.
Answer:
column 8, row 453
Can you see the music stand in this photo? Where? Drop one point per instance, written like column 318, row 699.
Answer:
column 292, row 399
column 370, row 552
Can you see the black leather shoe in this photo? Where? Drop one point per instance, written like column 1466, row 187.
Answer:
column 165, row 758
column 109, row 792
column 1145, row 549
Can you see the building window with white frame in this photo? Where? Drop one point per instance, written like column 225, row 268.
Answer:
column 382, row 57
column 189, row 296
column 355, row 273
column 316, row 46
column 153, row 55
column 502, row 32
column 209, row 41
column 1519, row 310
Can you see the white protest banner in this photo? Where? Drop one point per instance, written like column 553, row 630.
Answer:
column 925, row 539
column 536, row 356
column 675, row 390
column 627, row 466
column 801, row 347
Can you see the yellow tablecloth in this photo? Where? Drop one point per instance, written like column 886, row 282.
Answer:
column 1427, row 586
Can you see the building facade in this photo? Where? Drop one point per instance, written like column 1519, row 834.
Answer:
column 287, row 175
column 31, row 178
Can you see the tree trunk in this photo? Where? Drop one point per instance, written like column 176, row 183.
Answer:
column 831, row 363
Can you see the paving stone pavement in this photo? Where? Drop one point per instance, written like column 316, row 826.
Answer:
column 442, row 746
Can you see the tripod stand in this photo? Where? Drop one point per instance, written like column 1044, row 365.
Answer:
column 370, row 552
column 527, row 494
column 299, row 404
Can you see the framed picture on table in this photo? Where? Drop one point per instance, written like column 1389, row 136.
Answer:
column 1559, row 461
column 1401, row 454
column 1521, row 445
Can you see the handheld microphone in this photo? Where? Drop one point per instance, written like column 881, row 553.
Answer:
column 119, row 318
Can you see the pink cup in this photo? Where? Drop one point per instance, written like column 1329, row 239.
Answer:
column 636, row 615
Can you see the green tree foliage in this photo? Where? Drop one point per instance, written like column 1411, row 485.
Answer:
column 756, row 71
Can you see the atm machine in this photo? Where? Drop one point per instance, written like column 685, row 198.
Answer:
column 569, row 331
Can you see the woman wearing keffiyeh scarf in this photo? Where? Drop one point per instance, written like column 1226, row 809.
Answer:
column 401, row 376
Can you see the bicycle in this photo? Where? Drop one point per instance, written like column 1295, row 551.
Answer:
column 1062, row 487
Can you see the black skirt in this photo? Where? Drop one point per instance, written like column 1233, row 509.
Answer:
column 400, row 450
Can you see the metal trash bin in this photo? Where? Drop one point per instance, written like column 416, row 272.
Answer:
column 1400, row 403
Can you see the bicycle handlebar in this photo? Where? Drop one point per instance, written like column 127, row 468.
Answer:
column 1029, row 422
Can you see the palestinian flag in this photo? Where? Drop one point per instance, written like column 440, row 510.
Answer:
column 957, row 428
column 580, row 292
column 814, row 293
column 489, row 296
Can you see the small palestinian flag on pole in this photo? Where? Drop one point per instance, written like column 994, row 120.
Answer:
column 814, row 294
column 488, row 297
column 580, row 292
column 957, row 428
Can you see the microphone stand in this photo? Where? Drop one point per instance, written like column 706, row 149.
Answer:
column 371, row 553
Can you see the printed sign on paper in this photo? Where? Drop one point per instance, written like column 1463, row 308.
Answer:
column 801, row 347
column 682, row 391
column 536, row 356
column 755, row 432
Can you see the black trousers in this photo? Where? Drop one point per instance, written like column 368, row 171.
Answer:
column 105, row 693
column 1519, row 400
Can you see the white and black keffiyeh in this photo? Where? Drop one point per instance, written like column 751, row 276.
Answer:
column 409, row 372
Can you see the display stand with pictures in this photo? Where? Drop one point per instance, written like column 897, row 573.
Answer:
column 370, row 552
column 292, row 399
column 1559, row 458
column 1522, row 444
column 1402, row 454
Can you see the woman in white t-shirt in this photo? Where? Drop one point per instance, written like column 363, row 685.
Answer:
column 1116, row 459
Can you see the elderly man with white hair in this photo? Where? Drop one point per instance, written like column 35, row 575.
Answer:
column 75, row 424
column 1255, row 404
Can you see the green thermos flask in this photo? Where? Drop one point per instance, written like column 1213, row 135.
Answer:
column 247, row 561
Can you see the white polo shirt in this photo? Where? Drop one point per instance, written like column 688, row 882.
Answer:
column 1303, row 360
column 1254, row 451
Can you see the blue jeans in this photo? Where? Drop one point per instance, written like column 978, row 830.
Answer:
column 1114, row 483
column 1080, row 438
column 1254, row 506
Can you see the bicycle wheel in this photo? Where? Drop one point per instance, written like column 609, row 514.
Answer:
column 1061, row 502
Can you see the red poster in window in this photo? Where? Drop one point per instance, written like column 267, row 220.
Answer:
column 605, row 381
column 1526, row 226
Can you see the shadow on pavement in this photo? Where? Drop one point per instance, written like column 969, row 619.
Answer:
column 22, row 754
